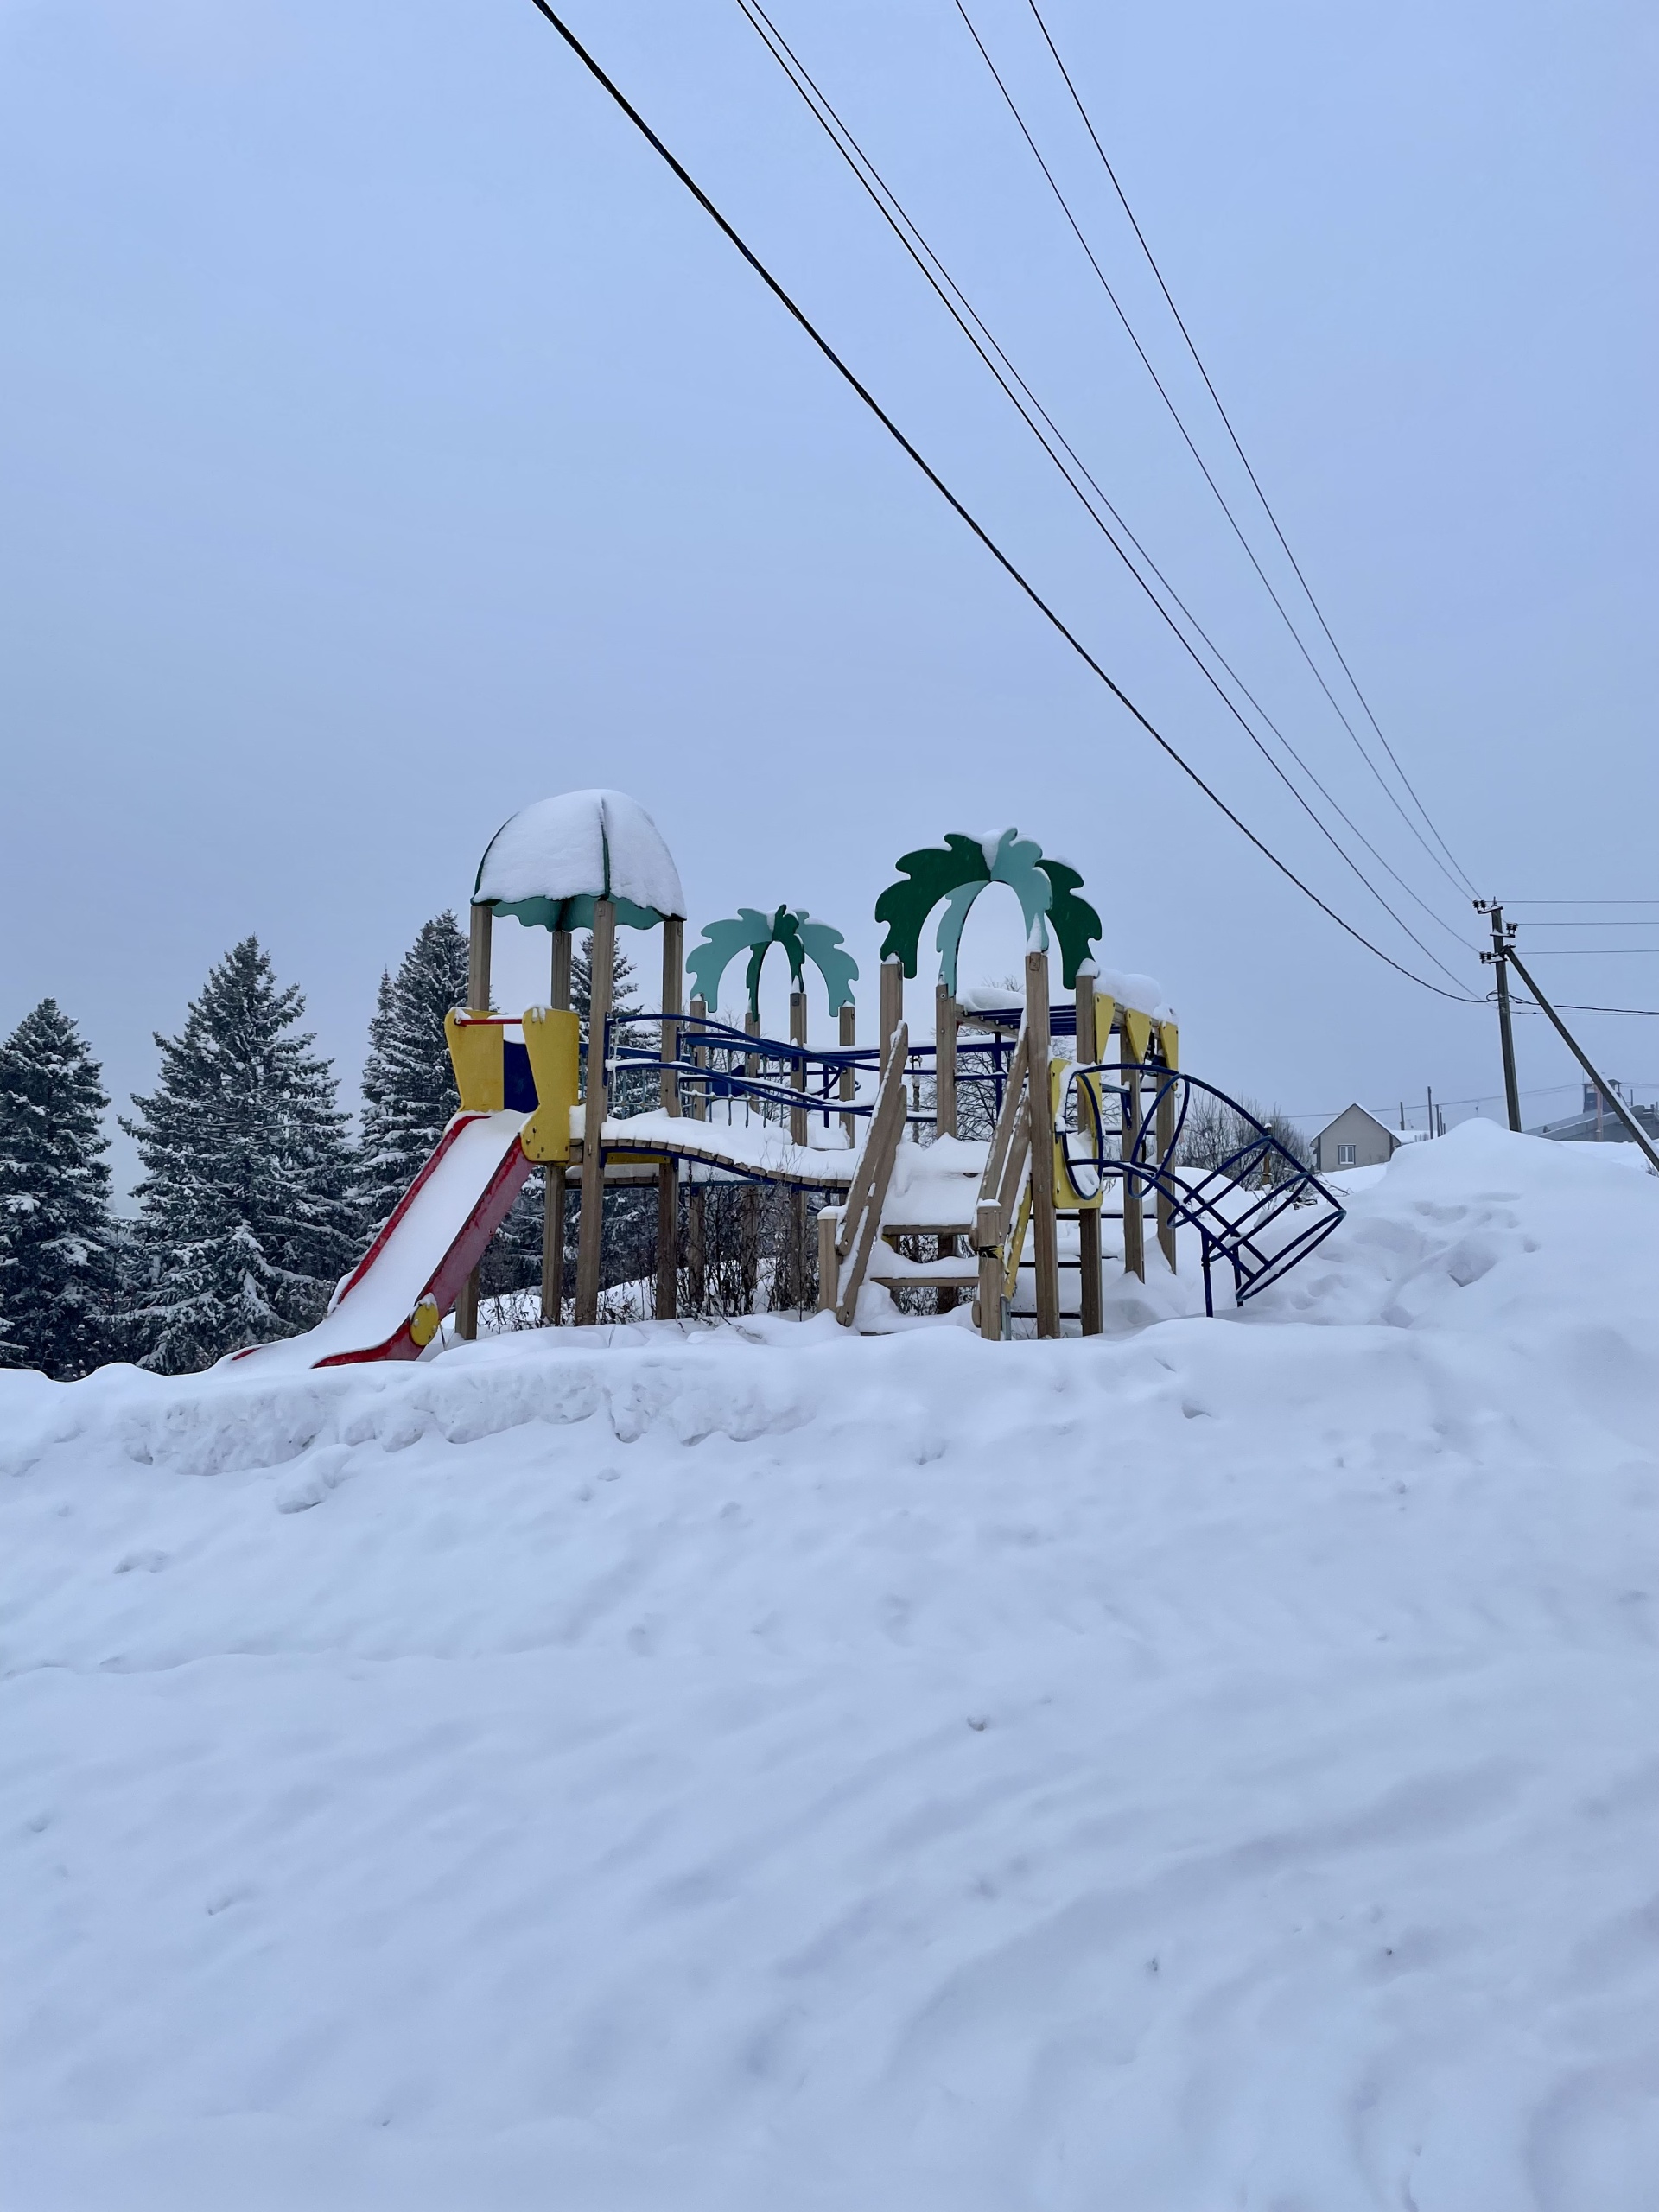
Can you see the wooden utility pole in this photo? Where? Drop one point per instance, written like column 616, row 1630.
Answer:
column 1499, row 960
column 1045, row 1244
column 1089, row 1297
column 1604, row 1090
column 478, row 1001
column 596, row 1105
column 668, row 1095
column 553, row 1207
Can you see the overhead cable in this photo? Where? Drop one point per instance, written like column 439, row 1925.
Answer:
column 1255, row 485
column 1459, row 882
column 1049, row 436
column 550, row 15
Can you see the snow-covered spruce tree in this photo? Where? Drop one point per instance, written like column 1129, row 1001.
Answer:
column 57, row 1270
column 247, row 1208
column 408, row 1086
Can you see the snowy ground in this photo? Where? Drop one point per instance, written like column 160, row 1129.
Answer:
column 764, row 1771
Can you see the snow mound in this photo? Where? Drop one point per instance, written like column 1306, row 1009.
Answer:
column 582, row 844
column 692, row 1768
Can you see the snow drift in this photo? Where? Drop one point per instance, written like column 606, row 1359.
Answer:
column 755, row 1768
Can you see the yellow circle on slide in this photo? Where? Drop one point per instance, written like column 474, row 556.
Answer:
column 424, row 1320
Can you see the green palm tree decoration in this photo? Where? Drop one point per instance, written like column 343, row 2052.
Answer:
column 802, row 938
column 957, row 872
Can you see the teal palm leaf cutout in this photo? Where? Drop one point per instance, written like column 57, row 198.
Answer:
column 957, row 873
column 752, row 931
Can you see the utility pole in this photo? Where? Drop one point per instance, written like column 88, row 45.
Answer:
column 1603, row 1087
column 1498, row 958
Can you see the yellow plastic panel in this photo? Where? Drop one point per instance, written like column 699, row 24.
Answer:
column 1065, row 1193
column 1137, row 1027
column 553, row 1040
column 475, row 1055
column 1171, row 1044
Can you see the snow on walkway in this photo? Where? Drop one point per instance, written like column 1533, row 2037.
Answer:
column 758, row 1770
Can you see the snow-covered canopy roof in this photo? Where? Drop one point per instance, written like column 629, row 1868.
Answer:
column 550, row 862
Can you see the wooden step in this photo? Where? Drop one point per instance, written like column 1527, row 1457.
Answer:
column 891, row 1229
column 928, row 1275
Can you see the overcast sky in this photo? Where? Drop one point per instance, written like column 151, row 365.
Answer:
column 390, row 442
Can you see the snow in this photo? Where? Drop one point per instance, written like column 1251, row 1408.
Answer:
column 1144, row 994
column 578, row 845
column 718, row 1770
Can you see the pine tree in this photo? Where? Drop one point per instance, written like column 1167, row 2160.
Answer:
column 56, row 1236
column 630, row 1093
column 408, row 1086
column 247, row 1212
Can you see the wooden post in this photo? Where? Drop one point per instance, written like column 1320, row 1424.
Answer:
column 478, row 1001
column 1164, row 1135
column 553, row 1194
column 892, row 1005
column 696, row 1268
column 797, row 1067
column 596, row 1102
column 1044, row 1246
column 1134, row 1220
column 668, row 1094
column 796, row 1284
column 698, row 1107
column 1089, row 1297
column 944, row 1063
column 828, row 1264
column 748, row 1208
column 944, row 1104
column 848, row 1080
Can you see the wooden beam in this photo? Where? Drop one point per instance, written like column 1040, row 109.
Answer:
column 1045, row 1244
column 696, row 1268
column 944, row 1063
column 1164, row 1135
column 893, row 1007
column 944, row 1103
column 554, row 1182
column 1088, row 1288
column 590, row 1229
column 849, row 1079
column 480, row 921
column 828, row 1263
column 860, row 1228
column 1134, row 1220
column 667, row 1093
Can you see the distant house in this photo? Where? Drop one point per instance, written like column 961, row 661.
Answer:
column 1596, row 1123
column 1354, row 1139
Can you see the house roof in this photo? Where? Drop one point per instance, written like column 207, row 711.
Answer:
column 1381, row 1126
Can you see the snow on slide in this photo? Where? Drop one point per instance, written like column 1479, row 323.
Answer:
column 760, row 1769
column 426, row 1247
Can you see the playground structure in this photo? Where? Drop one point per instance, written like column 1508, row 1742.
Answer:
column 986, row 1144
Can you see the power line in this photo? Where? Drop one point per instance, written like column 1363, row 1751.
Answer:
column 1221, row 499
column 962, row 312
column 545, row 9
column 1267, row 508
